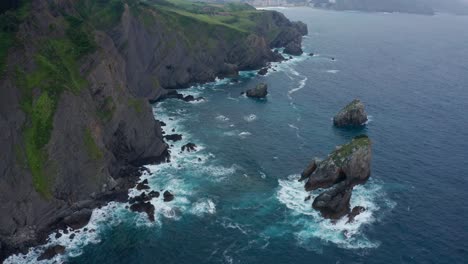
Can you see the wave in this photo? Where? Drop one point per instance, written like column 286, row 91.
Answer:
column 332, row 71
column 222, row 118
column 291, row 193
column 244, row 134
column 203, row 206
column 302, row 84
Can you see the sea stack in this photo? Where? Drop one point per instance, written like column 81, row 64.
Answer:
column 260, row 91
column 344, row 168
column 351, row 115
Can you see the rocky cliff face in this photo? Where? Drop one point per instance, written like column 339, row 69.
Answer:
column 74, row 113
column 345, row 167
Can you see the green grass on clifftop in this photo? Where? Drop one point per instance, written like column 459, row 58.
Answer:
column 347, row 149
column 56, row 70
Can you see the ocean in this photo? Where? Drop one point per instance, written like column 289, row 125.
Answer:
column 237, row 199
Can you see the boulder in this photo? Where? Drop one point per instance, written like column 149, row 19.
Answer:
column 353, row 114
column 142, row 185
column 334, row 202
column 173, row 137
column 263, row 71
column 168, row 196
column 260, row 91
column 51, row 252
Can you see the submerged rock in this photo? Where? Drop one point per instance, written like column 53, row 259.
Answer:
column 260, row 91
column 351, row 115
column 142, row 185
column 263, row 71
column 51, row 252
column 344, row 168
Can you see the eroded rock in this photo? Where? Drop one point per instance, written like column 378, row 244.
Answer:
column 353, row 114
column 260, row 91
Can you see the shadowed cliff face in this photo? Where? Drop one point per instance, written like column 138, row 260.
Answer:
column 74, row 111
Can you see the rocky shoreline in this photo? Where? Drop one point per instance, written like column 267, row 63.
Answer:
column 123, row 154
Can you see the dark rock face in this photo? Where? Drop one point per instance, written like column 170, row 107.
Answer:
column 168, row 196
column 334, row 202
column 118, row 73
column 344, row 168
column 51, row 252
column 293, row 48
column 144, row 207
column 142, row 185
column 189, row 147
column 263, row 71
column 78, row 219
column 173, row 137
column 351, row 115
column 356, row 211
column 260, row 91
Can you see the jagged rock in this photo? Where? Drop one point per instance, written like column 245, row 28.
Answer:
column 263, row 71
column 153, row 194
column 260, row 91
column 173, row 137
column 142, row 185
column 161, row 123
column 356, row 211
column 189, row 147
column 140, row 198
column 309, row 170
column 307, row 198
column 334, row 202
column 168, row 196
column 350, row 163
column 351, row 115
column 78, row 219
column 51, row 252
column 144, row 207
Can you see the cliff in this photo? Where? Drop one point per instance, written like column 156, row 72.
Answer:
column 77, row 77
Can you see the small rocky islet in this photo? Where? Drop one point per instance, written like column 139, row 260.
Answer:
column 347, row 166
column 352, row 115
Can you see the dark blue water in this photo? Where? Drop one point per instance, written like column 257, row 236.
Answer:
column 241, row 203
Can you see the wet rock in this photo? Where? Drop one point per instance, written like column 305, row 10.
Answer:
column 309, row 170
column 72, row 236
column 260, row 91
column 334, row 202
column 173, row 137
column 353, row 114
column 145, row 207
column 168, row 196
column 58, row 235
column 263, row 71
column 356, row 211
column 140, row 198
column 307, row 198
column 78, row 219
column 311, row 54
column 51, row 252
column 161, row 123
column 199, row 159
column 142, row 185
column 350, row 163
column 189, row 147
column 153, row 194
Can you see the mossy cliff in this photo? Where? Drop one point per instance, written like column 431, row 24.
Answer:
column 76, row 77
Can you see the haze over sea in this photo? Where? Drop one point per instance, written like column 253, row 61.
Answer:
column 241, row 203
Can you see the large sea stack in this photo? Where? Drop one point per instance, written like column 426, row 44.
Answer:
column 344, row 168
column 351, row 115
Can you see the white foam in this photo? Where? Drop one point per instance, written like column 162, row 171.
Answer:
column 250, row 118
column 291, row 193
column 202, row 207
column 332, row 71
column 244, row 134
column 369, row 119
column 302, row 84
column 222, row 118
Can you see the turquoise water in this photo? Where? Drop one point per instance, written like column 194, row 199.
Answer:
column 241, row 202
